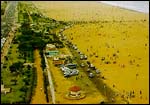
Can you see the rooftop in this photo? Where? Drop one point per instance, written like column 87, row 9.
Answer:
column 75, row 88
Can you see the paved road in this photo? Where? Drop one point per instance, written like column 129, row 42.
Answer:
column 50, row 80
column 10, row 19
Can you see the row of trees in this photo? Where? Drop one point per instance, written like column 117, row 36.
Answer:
column 3, row 7
column 24, row 76
column 28, row 76
column 35, row 35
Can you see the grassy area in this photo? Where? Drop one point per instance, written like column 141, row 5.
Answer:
column 8, row 78
column 82, row 80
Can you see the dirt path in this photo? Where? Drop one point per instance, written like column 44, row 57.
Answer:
column 39, row 97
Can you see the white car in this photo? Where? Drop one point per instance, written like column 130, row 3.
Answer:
column 82, row 65
column 88, row 70
column 91, row 75
column 64, row 68
column 83, row 57
column 97, row 71
column 71, row 72
column 74, row 72
column 67, row 72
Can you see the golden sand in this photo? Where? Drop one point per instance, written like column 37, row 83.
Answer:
column 122, row 38
column 84, row 11
column 132, row 48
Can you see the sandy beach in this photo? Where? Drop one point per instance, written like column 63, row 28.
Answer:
column 127, row 54
column 117, row 43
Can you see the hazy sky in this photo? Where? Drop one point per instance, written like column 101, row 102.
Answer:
column 142, row 6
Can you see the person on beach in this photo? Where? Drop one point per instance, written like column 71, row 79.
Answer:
column 140, row 92
column 137, row 75
column 41, row 88
column 113, row 85
column 133, row 91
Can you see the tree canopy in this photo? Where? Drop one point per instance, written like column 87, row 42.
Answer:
column 16, row 67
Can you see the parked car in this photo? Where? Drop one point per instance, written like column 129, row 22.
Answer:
column 91, row 75
column 71, row 66
column 83, row 57
column 88, row 70
column 67, row 73
column 88, row 62
column 74, row 47
column 74, row 72
column 70, row 72
column 97, row 71
column 82, row 64
column 63, row 68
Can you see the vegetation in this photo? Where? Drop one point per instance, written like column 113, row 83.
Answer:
column 3, row 7
column 20, row 78
column 46, row 83
column 35, row 32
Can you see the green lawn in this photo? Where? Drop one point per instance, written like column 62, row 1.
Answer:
column 25, row 79
column 16, row 95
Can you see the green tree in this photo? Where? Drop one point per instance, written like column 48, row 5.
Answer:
column 16, row 67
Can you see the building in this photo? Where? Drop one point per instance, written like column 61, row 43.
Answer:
column 52, row 53
column 74, row 91
column 51, row 50
column 5, row 90
column 64, row 56
column 57, row 61
column 50, row 47
column 3, row 41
